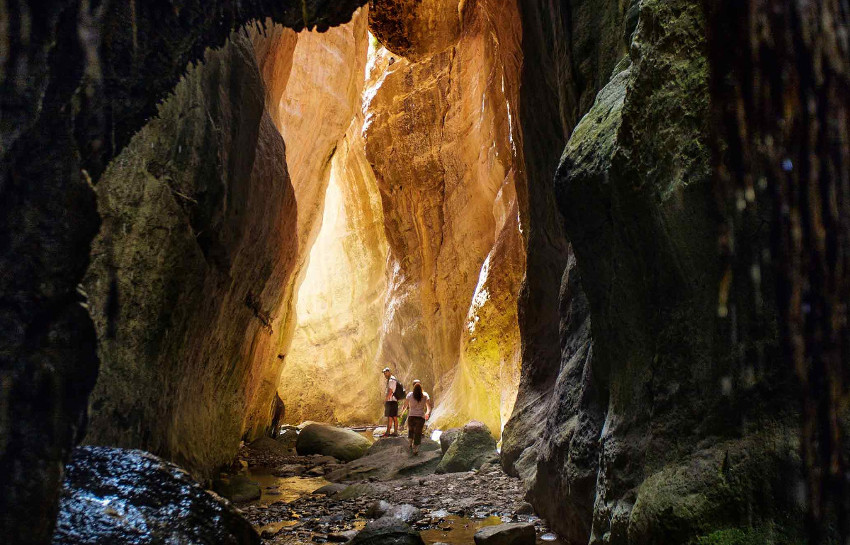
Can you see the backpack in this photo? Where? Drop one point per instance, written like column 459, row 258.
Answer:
column 399, row 393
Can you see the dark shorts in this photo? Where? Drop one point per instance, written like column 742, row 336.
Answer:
column 390, row 408
column 415, row 425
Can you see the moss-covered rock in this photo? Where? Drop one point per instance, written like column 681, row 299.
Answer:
column 473, row 447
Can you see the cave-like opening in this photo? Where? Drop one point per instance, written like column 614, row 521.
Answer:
column 579, row 223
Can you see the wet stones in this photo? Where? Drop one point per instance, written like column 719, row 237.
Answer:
column 506, row 534
column 238, row 489
column 387, row 530
column 343, row 444
column 113, row 495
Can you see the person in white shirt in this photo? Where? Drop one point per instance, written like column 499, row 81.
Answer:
column 391, row 404
column 420, row 406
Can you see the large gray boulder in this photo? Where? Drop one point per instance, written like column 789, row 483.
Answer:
column 473, row 447
column 387, row 530
column 506, row 534
column 343, row 444
column 448, row 437
column 388, row 459
column 121, row 496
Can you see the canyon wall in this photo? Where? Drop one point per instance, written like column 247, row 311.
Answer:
column 207, row 221
column 78, row 80
column 440, row 140
column 330, row 369
column 675, row 421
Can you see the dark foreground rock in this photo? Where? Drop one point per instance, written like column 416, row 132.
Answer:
column 387, row 531
column 343, row 444
column 388, row 459
column 473, row 447
column 112, row 495
column 506, row 534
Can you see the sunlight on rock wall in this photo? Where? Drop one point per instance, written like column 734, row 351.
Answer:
column 439, row 135
column 312, row 104
column 330, row 372
column 208, row 216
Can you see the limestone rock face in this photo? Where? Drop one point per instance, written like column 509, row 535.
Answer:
column 416, row 29
column 189, row 270
column 341, row 299
column 208, row 218
column 340, row 283
column 440, row 139
column 113, row 495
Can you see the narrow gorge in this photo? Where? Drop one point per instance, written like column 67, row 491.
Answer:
column 607, row 236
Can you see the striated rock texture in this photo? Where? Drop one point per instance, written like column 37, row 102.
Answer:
column 193, row 257
column 314, row 112
column 77, row 80
column 204, row 233
column 673, row 424
column 341, row 299
column 440, row 138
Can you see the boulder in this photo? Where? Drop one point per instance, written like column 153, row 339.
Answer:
column 343, row 444
column 330, row 489
column 355, row 491
column 288, row 438
column 506, row 534
column 448, row 437
column 473, row 447
column 387, row 531
column 388, row 459
column 378, row 509
column 114, row 495
column 238, row 489
column 405, row 512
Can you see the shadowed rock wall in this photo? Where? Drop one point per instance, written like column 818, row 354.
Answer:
column 674, row 424
column 207, row 222
column 77, row 80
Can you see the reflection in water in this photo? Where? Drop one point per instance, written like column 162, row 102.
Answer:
column 285, row 489
column 457, row 530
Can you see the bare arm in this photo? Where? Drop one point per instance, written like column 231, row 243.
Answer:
column 429, row 406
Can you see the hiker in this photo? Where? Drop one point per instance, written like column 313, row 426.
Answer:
column 391, row 398
column 420, row 406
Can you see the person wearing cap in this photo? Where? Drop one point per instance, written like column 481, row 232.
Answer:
column 420, row 406
column 391, row 403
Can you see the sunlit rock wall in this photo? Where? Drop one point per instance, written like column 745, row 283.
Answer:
column 330, row 368
column 314, row 104
column 208, row 218
column 440, row 134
